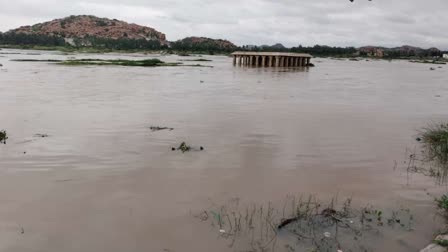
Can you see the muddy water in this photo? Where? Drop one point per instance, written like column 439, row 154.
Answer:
column 102, row 181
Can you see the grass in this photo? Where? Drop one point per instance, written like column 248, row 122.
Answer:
column 428, row 62
column 431, row 157
column 302, row 222
column 119, row 62
column 434, row 141
column 112, row 62
column 442, row 203
column 443, row 243
column 200, row 60
column 36, row 60
column 3, row 136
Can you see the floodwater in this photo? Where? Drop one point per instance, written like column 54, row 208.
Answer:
column 102, row 181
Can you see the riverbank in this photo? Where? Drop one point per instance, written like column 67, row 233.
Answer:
column 100, row 51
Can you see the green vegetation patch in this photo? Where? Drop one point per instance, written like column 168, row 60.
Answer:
column 200, row 60
column 121, row 62
column 442, row 203
column 429, row 62
column 443, row 243
column 435, row 147
column 36, row 60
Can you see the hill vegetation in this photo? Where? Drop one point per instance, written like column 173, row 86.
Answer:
column 90, row 33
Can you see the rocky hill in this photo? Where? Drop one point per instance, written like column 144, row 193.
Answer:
column 402, row 51
column 205, row 44
column 83, row 26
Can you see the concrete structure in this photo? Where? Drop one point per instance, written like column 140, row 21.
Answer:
column 445, row 56
column 271, row 59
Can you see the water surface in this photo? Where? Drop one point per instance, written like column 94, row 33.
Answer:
column 102, row 181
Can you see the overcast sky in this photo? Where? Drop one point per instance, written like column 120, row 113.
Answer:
column 291, row 22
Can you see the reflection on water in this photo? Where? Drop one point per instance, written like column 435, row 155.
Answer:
column 337, row 128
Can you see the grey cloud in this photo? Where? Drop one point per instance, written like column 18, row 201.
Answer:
column 291, row 22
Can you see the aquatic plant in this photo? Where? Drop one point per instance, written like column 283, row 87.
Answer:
column 157, row 128
column 442, row 203
column 184, row 147
column 119, row 62
column 36, row 60
column 430, row 158
column 434, row 141
column 3, row 136
column 302, row 224
column 200, row 60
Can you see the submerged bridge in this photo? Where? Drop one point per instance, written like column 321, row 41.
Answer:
column 271, row 59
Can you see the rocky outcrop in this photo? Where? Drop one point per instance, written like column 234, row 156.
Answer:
column 402, row 51
column 202, row 43
column 372, row 51
column 91, row 26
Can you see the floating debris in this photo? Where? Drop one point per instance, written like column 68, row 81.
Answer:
column 41, row 135
column 157, row 128
column 3, row 136
column 184, row 148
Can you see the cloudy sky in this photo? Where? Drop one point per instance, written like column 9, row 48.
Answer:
column 291, row 22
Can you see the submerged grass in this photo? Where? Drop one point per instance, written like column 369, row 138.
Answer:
column 112, row 62
column 303, row 224
column 119, row 62
column 36, row 60
column 429, row 62
column 200, row 60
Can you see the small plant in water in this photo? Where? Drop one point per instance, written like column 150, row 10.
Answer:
column 442, row 203
column 3, row 136
column 184, row 147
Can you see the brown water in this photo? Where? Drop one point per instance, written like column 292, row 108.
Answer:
column 102, row 181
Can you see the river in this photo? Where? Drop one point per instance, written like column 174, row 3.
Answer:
column 103, row 181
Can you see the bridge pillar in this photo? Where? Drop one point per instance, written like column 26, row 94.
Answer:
column 263, row 61
column 234, row 60
column 277, row 61
column 307, row 61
